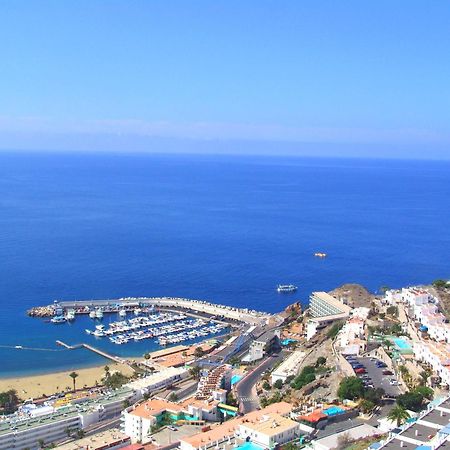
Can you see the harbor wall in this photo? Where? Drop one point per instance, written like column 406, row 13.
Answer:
column 238, row 314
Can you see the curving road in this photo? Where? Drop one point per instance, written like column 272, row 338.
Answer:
column 245, row 389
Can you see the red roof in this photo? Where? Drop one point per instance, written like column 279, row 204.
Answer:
column 314, row 417
column 134, row 447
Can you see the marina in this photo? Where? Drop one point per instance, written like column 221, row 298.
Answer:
column 165, row 328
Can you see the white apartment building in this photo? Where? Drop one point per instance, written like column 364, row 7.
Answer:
column 437, row 355
column 137, row 421
column 415, row 296
column 270, row 430
column 158, row 380
column 289, row 367
column 231, row 429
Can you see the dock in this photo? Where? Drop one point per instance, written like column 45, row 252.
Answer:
column 114, row 358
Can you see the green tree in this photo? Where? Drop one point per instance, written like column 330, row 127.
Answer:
column 173, row 397
column 366, row 406
column 266, row 386
column 116, row 380
column 424, row 375
column 195, row 372
column 398, row 414
column 440, row 284
column 9, row 401
column 231, row 399
column 278, row 384
column 425, row 392
column 392, row 311
column 411, row 400
column 334, row 330
column 351, row 388
column 198, row 352
column 306, row 376
column 107, row 371
column 374, row 395
column 74, row 376
column 289, row 446
column 321, row 360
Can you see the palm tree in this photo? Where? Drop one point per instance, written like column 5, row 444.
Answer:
column 398, row 414
column 107, row 371
column 74, row 376
column 195, row 372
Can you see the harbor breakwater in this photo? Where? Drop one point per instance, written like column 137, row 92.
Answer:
column 130, row 304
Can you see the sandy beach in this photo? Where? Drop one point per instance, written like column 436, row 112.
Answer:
column 36, row 386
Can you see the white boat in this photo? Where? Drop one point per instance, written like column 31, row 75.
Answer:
column 58, row 319
column 122, row 313
column 99, row 314
column 92, row 314
column 286, row 288
column 70, row 315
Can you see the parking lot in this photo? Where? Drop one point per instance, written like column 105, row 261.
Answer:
column 374, row 376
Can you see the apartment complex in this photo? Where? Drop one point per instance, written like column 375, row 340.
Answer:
column 431, row 430
column 139, row 420
column 265, row 425
column 214, row 385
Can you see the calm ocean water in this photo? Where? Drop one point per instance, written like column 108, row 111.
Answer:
column 226, row 229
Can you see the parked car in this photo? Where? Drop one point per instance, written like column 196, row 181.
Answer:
column 388, row 372
column 360, row 370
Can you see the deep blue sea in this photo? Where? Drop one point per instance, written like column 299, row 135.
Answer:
column 222, row 228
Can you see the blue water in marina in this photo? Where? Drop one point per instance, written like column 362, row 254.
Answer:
column 227, row 229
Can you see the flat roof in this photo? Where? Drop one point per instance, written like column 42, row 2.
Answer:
column 420, row 432
column 271, row 424
column 63, row 413
column 230, row 426
column 96, row 441
column 154, row 406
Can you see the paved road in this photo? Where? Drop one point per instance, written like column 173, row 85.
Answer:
column 246, row 393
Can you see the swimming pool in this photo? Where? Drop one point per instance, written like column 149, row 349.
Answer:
column 235, row 379
column 249, row 446
column 333, row 411
column 401, row 344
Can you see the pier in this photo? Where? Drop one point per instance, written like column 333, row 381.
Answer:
column 114, row 358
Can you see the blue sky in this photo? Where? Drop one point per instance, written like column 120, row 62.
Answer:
column 135, row 75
